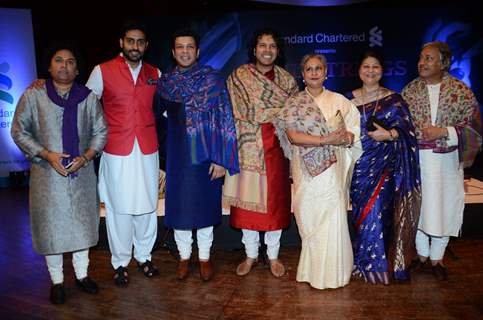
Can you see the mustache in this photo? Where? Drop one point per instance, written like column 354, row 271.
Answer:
column 134, row 50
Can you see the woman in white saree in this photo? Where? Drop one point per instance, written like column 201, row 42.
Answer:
column 319, row 131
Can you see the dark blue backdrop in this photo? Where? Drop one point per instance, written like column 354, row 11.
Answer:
column 341, row 33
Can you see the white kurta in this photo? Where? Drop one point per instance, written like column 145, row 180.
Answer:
column 320, row 206
column 127, row 184
column 442, row 186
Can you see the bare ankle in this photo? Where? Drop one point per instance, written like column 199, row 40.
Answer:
column 422, row 258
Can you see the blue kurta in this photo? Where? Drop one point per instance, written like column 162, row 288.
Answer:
column 193, row 201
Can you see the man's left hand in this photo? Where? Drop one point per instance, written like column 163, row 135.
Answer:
column 78, row 163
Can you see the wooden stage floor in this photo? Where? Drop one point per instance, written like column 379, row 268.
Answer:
column 25, row 283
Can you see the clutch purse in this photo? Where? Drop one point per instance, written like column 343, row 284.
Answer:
column 317, row 161
column 336, row 122
column 370, row 123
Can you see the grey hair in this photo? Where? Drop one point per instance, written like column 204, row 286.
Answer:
column 444, row 52
column 309, row 56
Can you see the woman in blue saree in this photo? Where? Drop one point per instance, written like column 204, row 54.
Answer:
column 385, row 187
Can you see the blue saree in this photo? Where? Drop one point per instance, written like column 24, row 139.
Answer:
column 386, row 195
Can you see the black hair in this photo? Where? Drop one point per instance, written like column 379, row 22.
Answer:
column 55, row 47
column 371, row 53
column 254, row 41
column 185, row 32
column 133, row 25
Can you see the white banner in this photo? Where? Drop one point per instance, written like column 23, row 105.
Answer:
column 17, row 70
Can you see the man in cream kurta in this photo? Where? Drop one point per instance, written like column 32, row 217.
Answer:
column 443, row 110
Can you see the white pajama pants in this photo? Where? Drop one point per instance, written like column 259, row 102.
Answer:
column 435, row 249
column 251, row 240
column 55, row 262
column 184, row 240
column 128, row 185
column 125, row 231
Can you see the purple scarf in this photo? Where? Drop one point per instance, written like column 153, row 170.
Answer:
column 70, row 135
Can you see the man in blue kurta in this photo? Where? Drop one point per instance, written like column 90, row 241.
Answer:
column 201, row 147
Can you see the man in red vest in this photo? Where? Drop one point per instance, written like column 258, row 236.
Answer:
column 129, row 169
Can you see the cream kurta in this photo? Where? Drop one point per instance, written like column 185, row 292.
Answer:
column 320, row 205
column 442, row 189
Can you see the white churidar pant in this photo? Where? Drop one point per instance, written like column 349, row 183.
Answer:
column 184, row 240
column 55, row 263
column 251, row 240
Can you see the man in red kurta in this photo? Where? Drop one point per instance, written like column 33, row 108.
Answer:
column 260, row 195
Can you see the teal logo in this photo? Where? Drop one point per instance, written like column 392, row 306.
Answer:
column 375, row 37
column 5, row 82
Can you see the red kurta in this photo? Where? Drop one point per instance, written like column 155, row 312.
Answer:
column 278, row 187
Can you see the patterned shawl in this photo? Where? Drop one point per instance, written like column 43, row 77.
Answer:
column 209, row 120
column 457, row 108
column 256, row 100
column 302, row 114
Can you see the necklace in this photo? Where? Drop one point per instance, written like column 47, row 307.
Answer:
column 311, row 95
column 363, row 98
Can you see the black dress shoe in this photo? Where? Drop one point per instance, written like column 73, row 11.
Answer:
column 417, row 264
column 88, row 285
column 440, row 272
column 57, row 294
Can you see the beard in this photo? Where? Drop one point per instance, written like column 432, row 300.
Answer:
column 132, row 55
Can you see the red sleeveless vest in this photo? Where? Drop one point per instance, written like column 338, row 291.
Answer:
column 128, row 107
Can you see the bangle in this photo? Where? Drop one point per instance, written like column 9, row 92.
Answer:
column 86, row 161
column 392, row 137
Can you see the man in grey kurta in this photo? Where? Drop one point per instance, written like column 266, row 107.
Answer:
column 64, row 206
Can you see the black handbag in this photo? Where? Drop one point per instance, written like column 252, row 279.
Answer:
column 370, row 123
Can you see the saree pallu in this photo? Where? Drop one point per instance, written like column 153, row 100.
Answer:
column 320, row 202
column 386, row 195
